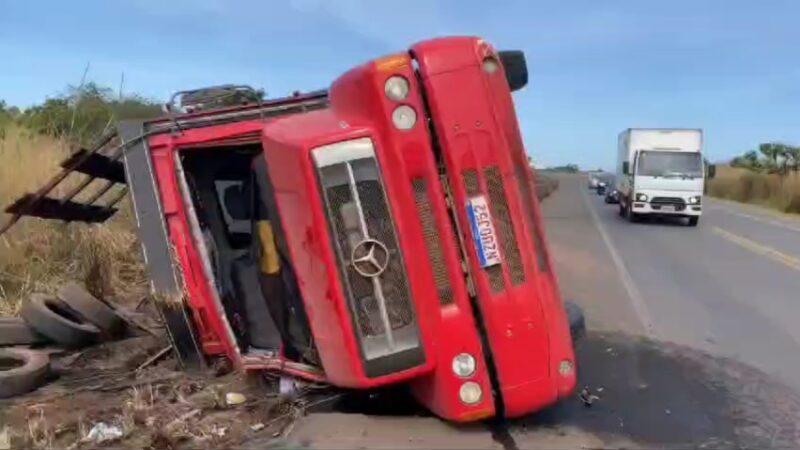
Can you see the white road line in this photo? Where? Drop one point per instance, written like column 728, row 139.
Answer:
column 730, row 210
column 630, row 287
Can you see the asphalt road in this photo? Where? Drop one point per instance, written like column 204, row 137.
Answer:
column 692, row 341
column 730, row 287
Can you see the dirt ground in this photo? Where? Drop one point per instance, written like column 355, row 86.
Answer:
column 154, row 407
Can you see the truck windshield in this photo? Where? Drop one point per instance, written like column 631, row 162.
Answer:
column 666, row 164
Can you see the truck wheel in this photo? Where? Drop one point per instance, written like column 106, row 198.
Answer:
column 90, row 308
column 53, row 318
column 693, row 220
column 629, row 214
column 577, row 324
column 21, row 370
column 14, row 331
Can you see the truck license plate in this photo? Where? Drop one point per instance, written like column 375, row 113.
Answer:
column 668, row 208
column 483, row 231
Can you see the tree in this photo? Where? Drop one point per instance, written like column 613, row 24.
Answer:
column 86, row 111
column 773, row 153
column 793, row 155
column 749, row 160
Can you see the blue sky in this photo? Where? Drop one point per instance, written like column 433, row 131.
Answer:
column 729, row 67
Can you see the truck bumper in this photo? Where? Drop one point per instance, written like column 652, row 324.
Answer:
column 663, row 210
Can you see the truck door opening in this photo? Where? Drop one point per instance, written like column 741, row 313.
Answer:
column 251, row 275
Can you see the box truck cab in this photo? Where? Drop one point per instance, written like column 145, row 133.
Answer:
column 661, row 172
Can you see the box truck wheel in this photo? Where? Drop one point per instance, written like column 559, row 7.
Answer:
column 693, row 220
column 629, row 214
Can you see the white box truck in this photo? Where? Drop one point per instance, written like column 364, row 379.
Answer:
column 660, row 171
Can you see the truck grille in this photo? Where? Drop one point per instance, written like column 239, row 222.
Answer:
column 370, row 261
column 657, row 202
column 431, row 234
column 668, row 200
column 502, row 215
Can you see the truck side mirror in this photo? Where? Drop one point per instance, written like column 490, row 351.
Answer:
column 516, row 68
column 626, row 168
column 712, row 171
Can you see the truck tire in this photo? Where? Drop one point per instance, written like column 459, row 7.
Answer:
column 14, row 331
column 694, row 220
column 577, row 323
column 91, row 309
column 632, row 216
column 53, row 318
column 21, row 370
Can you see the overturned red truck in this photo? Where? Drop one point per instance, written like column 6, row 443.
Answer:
column 383, row 231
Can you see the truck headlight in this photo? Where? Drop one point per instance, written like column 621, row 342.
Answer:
column 641, row 197
column 464, row 365
column 490, row 65
column 396, row 88
column 470, row 393
column 694, row 200
column 565, row 367
column 404, row 117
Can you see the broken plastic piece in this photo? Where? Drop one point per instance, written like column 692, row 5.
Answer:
column 103, row 432
column 234, row 398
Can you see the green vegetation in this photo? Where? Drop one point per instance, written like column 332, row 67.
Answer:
column 774, row 158
column 82, row 113
column 568, row 168
column 768, row 177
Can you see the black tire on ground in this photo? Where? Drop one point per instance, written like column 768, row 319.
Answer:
column 693, row 220
column 91, row 309
column 14, row 331
column 577, row 323
column 630, row 215
column 53, row 318
column 21, row 370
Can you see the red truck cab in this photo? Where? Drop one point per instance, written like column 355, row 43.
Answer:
column 384, row 231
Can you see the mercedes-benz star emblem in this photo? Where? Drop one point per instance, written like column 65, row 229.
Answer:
column 370, row 258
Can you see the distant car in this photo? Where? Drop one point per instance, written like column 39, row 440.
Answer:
column 593, row 182
column 612, row 196
column 601, row 187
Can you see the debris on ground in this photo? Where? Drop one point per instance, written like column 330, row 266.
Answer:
column 5, row 439
column 287, row 387
column 234, row 399
column 587, row 397
column 103, row 432
column 164, row 352
column 133, row 393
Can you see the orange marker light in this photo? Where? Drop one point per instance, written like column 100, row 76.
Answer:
column 391, row 63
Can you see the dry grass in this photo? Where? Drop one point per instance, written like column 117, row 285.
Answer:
column 38, row 255
column 545, row 185
column 745, row 186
